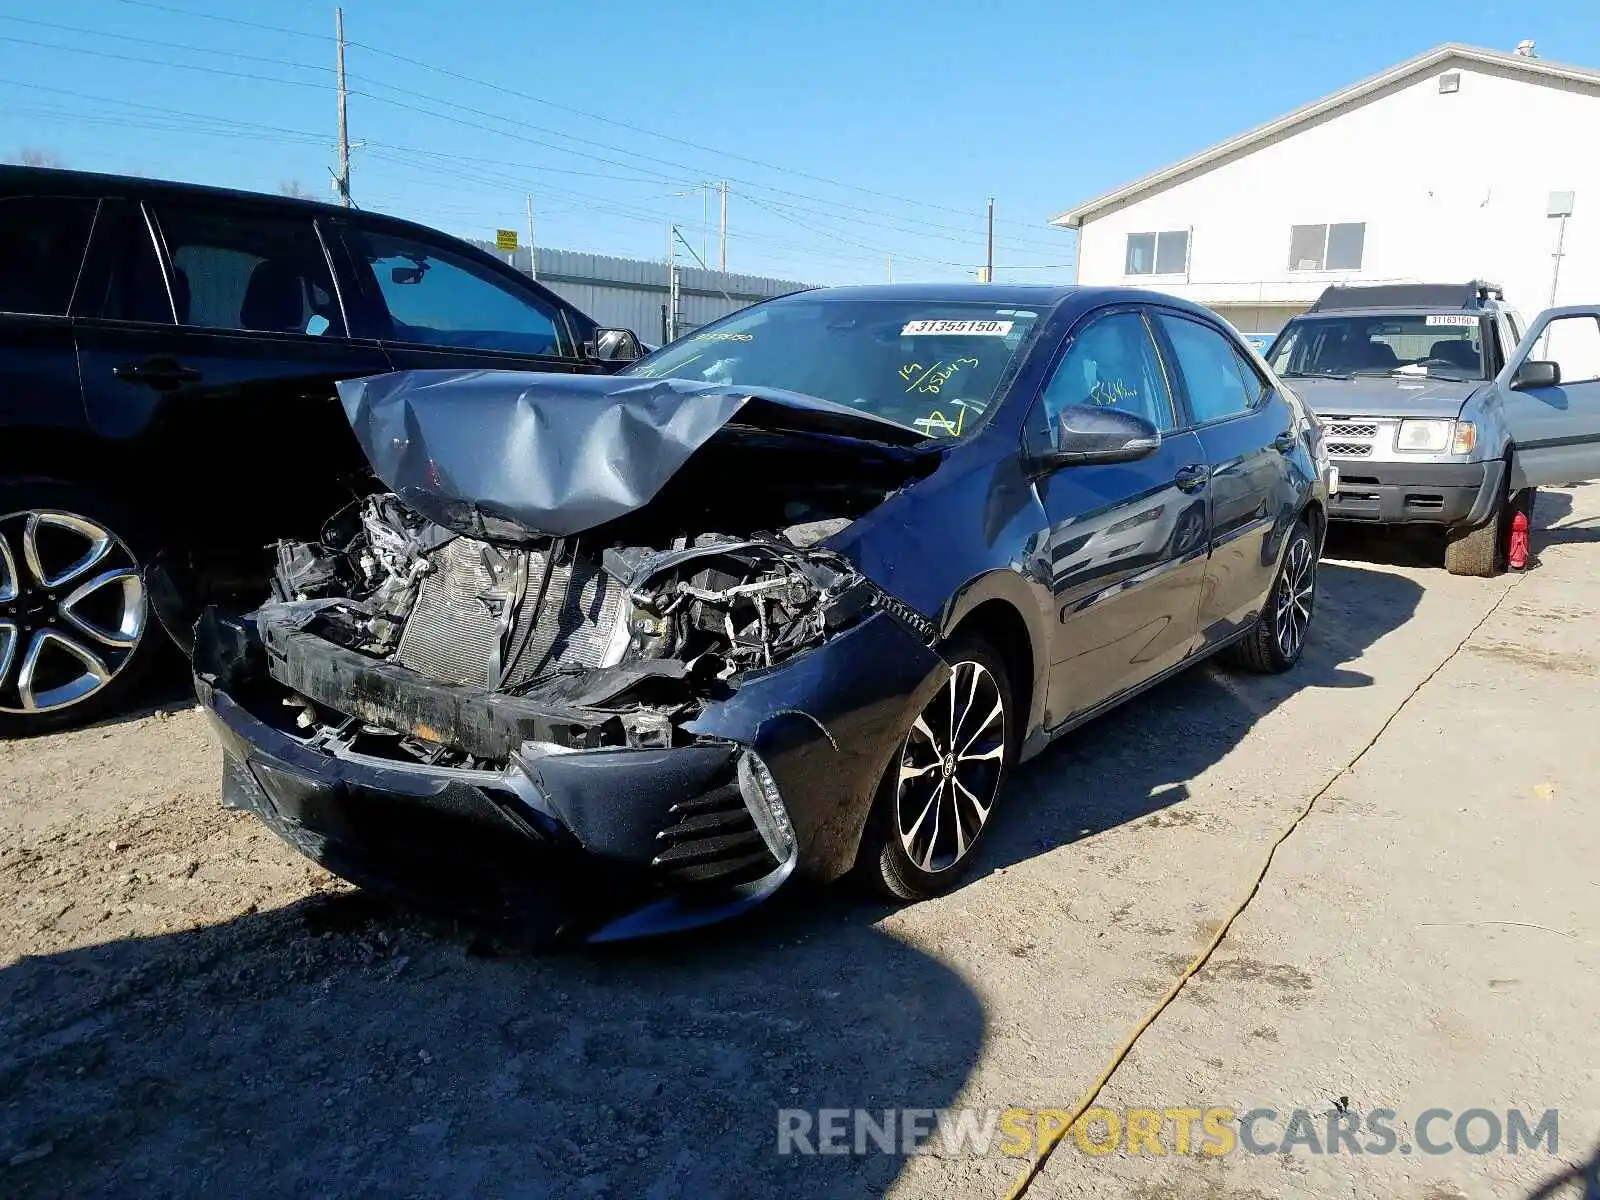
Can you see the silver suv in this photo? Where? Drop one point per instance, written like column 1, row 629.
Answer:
column 1436, row 412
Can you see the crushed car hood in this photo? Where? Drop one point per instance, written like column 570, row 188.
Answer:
column 516, row 454
column 1384, row 396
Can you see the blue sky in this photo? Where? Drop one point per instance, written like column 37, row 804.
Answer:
column 849, row 131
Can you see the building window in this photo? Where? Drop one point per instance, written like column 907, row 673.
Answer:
column 1327, row 247
column 1157, row 253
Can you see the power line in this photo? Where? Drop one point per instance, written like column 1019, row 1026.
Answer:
column 164, row 43
column 533, row 99
column 151, row 62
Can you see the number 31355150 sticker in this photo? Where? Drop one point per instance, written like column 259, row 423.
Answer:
column 956, row 328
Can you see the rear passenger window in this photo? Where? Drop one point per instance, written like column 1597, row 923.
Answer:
column 1254, row 387
column 1212, row 373
column 42, row 239
column 249, row 271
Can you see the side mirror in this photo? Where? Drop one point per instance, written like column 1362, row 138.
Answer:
column 1534, row 373
column 1091, row 434
column 615, row 346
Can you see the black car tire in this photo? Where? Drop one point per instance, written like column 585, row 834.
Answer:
column 1482, row 550
column 1292, row 600
column 1479, row 550
column 979, row 764
column 38, row 606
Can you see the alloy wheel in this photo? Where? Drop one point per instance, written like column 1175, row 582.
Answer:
column 73, row 609
column 1296, row 594
column 950, row 768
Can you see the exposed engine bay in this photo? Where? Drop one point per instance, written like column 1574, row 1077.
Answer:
column 452, row 650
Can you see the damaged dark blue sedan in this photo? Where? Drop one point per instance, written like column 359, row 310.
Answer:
column 790, row 595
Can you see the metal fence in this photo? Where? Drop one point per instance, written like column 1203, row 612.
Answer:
column 632, row 293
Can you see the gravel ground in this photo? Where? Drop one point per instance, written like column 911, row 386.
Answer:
column 191, row 1009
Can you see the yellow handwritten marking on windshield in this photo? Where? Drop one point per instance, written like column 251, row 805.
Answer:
column 655, row 372
column 937, row 420
column 932, row 381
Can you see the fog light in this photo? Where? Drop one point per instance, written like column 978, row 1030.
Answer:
column 1466, row 438
column 1429, row 437
column 761, row 797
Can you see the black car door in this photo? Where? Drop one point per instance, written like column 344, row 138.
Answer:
column 42, row 241
column 1246, row 431
column 435, row 305
column 1126, row 541
column 210, row 345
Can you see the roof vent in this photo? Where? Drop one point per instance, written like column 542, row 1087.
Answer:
column 1449, row 82
column 1525, row 48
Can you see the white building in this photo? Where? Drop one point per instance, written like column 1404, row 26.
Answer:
column 1441, row 169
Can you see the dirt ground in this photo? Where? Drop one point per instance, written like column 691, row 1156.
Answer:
column 191, row 1009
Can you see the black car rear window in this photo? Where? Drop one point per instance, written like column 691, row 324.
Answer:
column 42, row 239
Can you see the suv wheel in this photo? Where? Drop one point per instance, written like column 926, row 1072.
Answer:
column 75, row 621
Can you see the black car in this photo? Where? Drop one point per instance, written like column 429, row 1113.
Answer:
column 789, row 595
column 168, row 355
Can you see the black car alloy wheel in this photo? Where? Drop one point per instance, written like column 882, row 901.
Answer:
column 950, row 766
column 939, row 792
column 1297, row 592
column 73, row 610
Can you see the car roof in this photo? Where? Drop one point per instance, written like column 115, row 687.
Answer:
column 62, row 182
column 1020, row 295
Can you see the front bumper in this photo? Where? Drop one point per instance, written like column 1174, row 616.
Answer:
column 1400, row 493
column 778, row 777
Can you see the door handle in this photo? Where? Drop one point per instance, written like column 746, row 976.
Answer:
column 1191, row 479
column 161, row 373
column 1285, row 442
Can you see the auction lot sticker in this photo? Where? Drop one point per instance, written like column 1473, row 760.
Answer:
column 1453, row 319
column 957, row 328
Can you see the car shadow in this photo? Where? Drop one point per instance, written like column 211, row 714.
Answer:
column 1580, row 1181
column 1087, row 782
column 341, row 1046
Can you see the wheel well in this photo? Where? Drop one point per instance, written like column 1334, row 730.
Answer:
column 1003, row 627
column 1317, row 519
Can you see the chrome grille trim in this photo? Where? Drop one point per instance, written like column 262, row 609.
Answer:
column 1349, row 449
column 1352, row 431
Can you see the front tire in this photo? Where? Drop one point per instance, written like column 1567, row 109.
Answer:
column 1278, row 638
column 76, row 627
column 937, row 797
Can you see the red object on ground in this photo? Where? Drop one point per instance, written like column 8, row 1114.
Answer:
column 1518, row 557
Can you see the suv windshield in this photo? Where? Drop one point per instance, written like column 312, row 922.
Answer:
column 1440, row 345
column 933, row 366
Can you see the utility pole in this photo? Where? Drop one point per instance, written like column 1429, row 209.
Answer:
column 988, row 270
column 342, row 180
column 888, row 262
column 722, row 237
column 672, row 283
column 533, row 246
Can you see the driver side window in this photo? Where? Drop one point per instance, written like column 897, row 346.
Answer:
column 1112, row 363
column 437, row 298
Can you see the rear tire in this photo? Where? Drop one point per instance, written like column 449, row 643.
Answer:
column 936, row 799
column 1278, row 638
column 77, row 630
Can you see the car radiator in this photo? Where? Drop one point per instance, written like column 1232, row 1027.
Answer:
column 455, row 627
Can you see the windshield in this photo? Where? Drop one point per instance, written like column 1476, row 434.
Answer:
column 933, row 366
column 1439, row 345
